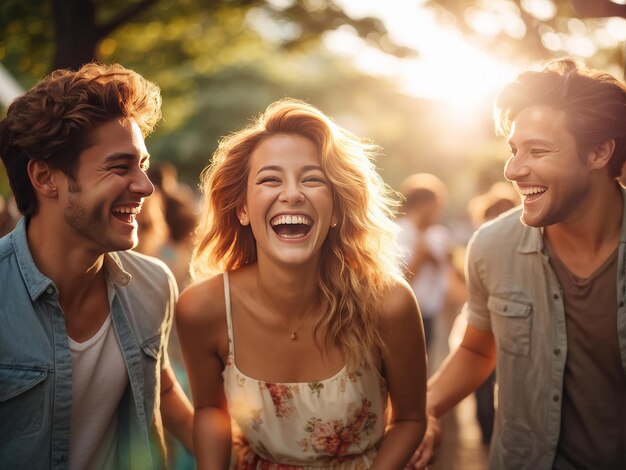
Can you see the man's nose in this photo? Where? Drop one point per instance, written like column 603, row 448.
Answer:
column 515, row 168
column 141, row 184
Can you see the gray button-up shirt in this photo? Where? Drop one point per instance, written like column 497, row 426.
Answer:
column 514, row 292
column 35, row 360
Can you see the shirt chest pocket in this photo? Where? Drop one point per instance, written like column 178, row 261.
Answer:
column 511, row 323
column 21, row 400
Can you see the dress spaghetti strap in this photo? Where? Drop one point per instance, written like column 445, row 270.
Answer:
column 229, row 320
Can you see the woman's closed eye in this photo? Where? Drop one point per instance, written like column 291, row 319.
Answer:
column 268, row 180
column 314, row 179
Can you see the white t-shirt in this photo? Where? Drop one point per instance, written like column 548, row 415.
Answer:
column 99, row 379
column 431, row 283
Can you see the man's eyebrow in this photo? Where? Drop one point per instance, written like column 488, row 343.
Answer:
column 123, row 156
column 531, row 142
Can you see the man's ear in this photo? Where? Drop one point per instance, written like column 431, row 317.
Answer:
column 600, row 155
column 43, row 178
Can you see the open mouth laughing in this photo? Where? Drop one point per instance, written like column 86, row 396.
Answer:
column 291, row 226
column 126, row 214
column 532, row 192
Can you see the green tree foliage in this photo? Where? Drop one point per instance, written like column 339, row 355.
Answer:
column 37, row 36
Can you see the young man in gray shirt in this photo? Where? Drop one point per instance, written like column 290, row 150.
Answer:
column 547, row 282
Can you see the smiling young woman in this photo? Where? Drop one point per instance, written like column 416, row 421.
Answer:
column 295, row 264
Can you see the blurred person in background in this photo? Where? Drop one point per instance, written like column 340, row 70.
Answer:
column 547, row 281
column 170, row 240
column 500, row 198
column 8, row 219
column 85, row 376
column 300, row 326
column 180, row 214
column 426, row 246
column 152, row 230
column 485, row 207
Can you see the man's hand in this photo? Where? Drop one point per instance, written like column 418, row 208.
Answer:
column 425, row 453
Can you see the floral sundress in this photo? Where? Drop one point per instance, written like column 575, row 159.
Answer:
column 335, row 423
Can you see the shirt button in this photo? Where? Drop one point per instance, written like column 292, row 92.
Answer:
column 555, row 397
column 557, row 351
column 50, row 290
column 556, row 296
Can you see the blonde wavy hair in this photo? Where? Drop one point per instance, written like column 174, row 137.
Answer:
column 359, row 257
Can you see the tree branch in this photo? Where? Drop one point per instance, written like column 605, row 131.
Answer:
column 598, row 8
column 124, row 17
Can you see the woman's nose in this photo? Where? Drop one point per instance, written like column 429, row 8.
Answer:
column 292, row 193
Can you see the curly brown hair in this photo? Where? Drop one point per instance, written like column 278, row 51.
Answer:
column 594, row 103
column 55, row 120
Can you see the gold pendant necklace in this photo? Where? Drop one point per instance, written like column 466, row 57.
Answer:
column 293, row 332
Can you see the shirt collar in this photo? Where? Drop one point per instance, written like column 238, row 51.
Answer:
column 37, row 283
column 622, row 238
column 532, row 239
column 115, row 270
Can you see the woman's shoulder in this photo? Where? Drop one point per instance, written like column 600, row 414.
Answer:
column 398, row 301
column 400, row 320
column 202, row 301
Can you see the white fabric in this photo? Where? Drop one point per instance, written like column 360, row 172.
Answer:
column 99, row 379
column 431, row 283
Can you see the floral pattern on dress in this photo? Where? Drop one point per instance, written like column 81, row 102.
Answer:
column 281, row 395
column 335, row 437
column 256, row 420
column 349, row 377
column 316, row 388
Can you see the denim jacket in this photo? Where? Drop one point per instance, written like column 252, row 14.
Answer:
column 35, row 361
column 514, row 292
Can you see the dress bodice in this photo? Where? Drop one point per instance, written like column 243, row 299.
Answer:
column 332, row 423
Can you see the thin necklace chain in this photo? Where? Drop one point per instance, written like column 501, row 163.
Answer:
column 293, row 332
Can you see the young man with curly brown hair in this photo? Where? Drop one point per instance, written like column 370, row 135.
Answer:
column 84, row 374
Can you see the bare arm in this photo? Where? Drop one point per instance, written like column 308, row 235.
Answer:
column 463, row 371
column 176, row 409
column 200, row 319
column 404, row 367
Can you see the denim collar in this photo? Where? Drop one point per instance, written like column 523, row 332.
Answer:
column 37, row 283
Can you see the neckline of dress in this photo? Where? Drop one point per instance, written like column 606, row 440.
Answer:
column 341, row 371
